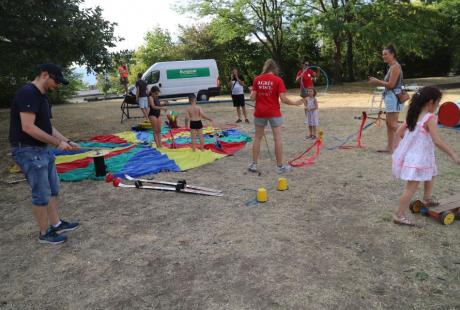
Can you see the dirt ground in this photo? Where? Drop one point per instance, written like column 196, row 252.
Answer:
column 326, row 243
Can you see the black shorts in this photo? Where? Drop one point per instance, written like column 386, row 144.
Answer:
column 196, row 125
column 154, row 112
column 123, row 80
column 238, row 100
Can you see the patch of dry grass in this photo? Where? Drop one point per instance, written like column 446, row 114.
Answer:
column 327, row 242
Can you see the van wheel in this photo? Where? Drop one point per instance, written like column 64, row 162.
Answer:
column 203, row 97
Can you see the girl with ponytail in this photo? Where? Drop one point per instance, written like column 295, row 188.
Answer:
column 413, row 159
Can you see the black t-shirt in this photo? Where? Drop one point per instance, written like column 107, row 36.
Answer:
column 142, row 88
column 30, row 99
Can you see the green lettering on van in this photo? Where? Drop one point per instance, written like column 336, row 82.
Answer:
column 187, row 73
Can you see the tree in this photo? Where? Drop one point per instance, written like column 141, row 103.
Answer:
column 450, row 30
column 412, row 27
column 229, row 48
column 39, row 31
column 157, row 46
column 349, row 27
column 264, row 20
column 335, row 23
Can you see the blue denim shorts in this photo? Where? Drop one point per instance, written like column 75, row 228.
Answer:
column 37, row 163
column 274, row 121
column 392, row 103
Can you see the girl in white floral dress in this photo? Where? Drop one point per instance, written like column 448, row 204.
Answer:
column 311, row 113
column 413, row 159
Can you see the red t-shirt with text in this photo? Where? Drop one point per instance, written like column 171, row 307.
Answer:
column 268, row 88
column 306, row 78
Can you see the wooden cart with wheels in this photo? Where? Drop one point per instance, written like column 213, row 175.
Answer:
column 446, row 212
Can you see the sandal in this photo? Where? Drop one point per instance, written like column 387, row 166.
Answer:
column 383, row 151
column 402, row 221
column 430, row 202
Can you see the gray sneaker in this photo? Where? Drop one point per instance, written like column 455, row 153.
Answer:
column 283, row 169
column 252, row 167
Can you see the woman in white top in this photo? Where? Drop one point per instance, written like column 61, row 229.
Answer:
column 237, row 88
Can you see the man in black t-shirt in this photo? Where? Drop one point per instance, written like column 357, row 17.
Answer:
column 30, row 133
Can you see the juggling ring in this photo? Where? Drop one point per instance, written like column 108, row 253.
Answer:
column 323, row 88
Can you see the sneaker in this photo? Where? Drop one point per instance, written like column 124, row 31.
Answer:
column 238, row 121
column 51, row 237
column 283, row 169
column 252, row 167
column 246, row 121
column 65, row 226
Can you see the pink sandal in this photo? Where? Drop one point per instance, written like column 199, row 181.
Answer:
column 402, row 221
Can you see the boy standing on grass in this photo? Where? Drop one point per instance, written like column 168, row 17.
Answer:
column 195, row 115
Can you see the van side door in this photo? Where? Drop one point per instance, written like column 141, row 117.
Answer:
column 153, row 78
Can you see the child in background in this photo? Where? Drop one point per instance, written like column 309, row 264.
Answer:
column 311, row 113
column 414, row 158
column 195, row 115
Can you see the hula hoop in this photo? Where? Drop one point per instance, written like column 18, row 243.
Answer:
column 323, row 88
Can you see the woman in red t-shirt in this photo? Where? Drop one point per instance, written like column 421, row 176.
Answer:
column 267, row 90
column 305, row 78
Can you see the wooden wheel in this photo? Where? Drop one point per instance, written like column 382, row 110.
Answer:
column 447, row 218
column 415, row 206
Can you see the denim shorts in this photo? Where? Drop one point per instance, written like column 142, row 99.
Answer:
column 274, row 121
column 37, row 163
column 143, row 102
column 392, row 103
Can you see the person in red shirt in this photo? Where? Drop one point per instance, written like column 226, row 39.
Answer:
column 305, row 78
column 267, row 90
column 123, row 70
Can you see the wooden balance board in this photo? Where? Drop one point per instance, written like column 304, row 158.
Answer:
column 446, row 212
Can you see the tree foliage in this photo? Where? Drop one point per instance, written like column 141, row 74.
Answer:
column 262, row 20
column 344, row 37
column 39, row 31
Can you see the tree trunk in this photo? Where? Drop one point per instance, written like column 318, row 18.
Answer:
column 338, row 61
column 351, row 73
column 278, row 57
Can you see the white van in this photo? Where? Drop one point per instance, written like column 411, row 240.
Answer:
column 178, row 79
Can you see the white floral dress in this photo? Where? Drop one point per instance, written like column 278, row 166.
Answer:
column 413, row 159
column 312, row 117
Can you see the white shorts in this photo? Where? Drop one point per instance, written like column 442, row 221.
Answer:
column 143, row 103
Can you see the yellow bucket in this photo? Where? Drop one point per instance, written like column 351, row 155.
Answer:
column 262, row 195
column 320, row 135
column 282, row 184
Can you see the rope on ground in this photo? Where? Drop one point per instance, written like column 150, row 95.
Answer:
column 301, row 161
column 362, row 127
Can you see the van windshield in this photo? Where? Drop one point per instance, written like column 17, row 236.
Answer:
column 153, row 77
